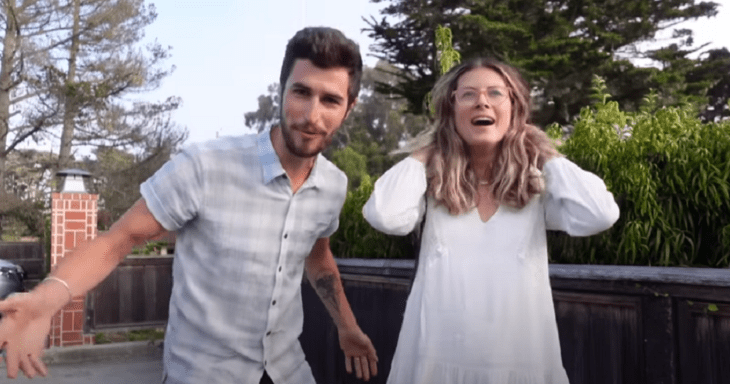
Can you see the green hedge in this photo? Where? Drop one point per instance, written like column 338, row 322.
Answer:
column 356, row 238
column 670, row 175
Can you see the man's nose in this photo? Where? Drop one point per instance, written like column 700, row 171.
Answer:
column 313, row 111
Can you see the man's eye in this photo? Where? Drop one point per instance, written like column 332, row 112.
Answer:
column 331, row 100
column 300, row 91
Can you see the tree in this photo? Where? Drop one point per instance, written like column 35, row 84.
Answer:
column 716, row 66
column 24, row 26
column 559, row 45
column 117, row 173
column 73, row 66
column 379, row 122
column 65, row 65
column 103, row 66
column 23, row 201
column 268, row 112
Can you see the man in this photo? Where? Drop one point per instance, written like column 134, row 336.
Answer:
column 251, row 214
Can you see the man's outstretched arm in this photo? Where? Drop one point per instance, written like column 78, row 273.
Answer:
column 27, row 317
column 324, row 276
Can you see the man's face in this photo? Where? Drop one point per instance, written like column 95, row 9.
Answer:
column 314, row 107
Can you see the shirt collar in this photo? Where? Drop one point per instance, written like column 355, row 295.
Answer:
column 271, row 166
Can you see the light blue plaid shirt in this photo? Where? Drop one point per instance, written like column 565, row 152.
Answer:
column 242, row 238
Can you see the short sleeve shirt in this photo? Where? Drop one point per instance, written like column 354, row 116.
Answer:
column 242, row 238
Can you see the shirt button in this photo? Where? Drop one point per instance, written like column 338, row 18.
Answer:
column 273, row 302
column 268, row 333
column 264, row 363
column 286, row 235
column 280, row 268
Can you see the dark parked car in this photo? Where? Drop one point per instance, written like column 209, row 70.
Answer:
column 11, row 279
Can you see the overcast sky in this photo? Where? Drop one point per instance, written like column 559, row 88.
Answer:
column 228, row 51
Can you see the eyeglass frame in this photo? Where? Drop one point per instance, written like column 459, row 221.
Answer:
column 486, row 92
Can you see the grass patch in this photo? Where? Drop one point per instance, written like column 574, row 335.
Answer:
column 137, row 335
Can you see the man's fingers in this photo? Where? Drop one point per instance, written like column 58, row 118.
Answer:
column 348, row 364
column 373, row 366
column 365, row 370
column 358, row 368
column 39, row 366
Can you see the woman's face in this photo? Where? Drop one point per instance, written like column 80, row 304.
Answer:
column 482, row 108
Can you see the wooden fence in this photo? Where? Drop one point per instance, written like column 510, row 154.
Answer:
column 29, row 255
column 135, row 295
column 619, row 325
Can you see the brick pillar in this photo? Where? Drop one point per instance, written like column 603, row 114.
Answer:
column 73, row 222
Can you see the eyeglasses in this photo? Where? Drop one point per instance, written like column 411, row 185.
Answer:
column 496, row 95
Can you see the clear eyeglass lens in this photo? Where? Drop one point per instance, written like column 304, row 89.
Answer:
column 495, row 95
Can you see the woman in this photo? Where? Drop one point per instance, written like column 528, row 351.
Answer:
column 490, row 185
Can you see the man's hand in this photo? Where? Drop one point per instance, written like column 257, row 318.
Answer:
column 24, row 328
column 359, row 351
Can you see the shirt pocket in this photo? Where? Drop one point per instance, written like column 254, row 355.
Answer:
column 305, row 235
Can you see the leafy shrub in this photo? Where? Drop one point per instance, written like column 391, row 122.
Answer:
column 670, row 175
column 356, row 238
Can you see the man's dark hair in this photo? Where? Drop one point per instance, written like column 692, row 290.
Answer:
column 326, row 48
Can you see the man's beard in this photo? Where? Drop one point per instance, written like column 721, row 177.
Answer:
column 302, row 151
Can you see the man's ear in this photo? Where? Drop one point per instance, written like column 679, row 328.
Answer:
column 350, row 108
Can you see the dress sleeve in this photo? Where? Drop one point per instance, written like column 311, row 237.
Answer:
column 398, row 200
column 576, row 201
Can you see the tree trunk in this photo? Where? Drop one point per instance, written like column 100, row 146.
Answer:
column 10, row 42
column 64, row 155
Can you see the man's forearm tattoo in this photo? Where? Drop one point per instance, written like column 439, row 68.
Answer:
column 327, row 290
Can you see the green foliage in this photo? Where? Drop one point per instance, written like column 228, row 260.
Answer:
column 448, row 56
column 151, row 248
column 153, row 334
column 352, row 163
column 669, row 173
column 356, row 238
column 559, row 46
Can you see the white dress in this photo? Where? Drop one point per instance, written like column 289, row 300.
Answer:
column 480, row 310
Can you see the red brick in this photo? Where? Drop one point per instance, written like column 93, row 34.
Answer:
column 70, row 215
column 72, row 343
column 75, row 225
column 57, row 342
column 75, row 205
column 68, row 321
column 78, row 321
column 71, row 337
column 80, row 237
column 68, row 241
column 74, row 306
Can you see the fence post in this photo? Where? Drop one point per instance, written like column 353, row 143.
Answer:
column 74, row 221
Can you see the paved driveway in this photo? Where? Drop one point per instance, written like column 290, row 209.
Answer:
column 141, row 370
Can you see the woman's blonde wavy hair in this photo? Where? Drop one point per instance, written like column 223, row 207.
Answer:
column 515, row 175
